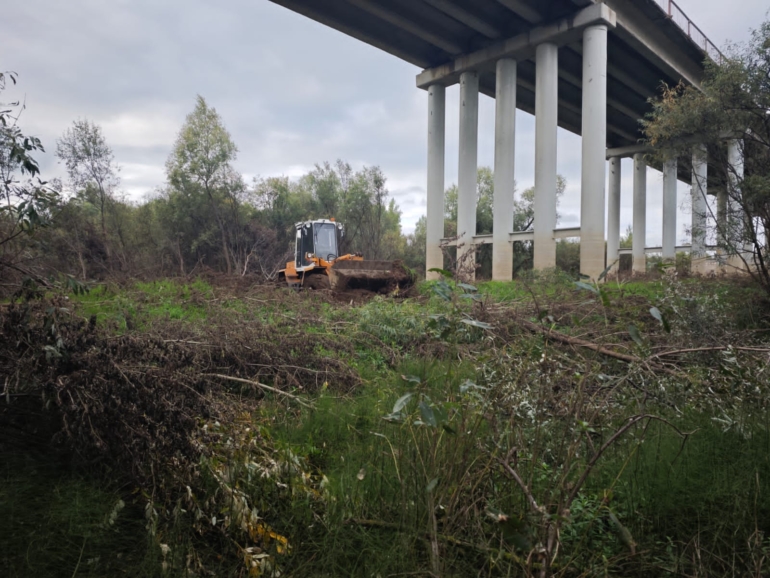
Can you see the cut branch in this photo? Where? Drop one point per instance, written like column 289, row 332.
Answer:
column 262, row 386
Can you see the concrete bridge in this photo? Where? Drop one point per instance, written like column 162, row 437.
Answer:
column 588, row 66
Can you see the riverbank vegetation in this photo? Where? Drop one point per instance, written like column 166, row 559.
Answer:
column 536, row 428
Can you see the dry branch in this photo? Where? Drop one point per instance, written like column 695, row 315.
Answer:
column 557, row 336
column 716, row 348
column 262, row 386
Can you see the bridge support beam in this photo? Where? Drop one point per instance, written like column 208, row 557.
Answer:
column 546, row 118
column 639, row 239
column 699, row 208
column 613, row 215
column 669, row 209
column 467, row 172
column 505, row 143
column 434, row 258
column 594, row 150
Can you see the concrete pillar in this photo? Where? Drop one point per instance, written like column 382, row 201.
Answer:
column 546, row 117
column 594, row 150
column 639, row 239
column 699, row 207
column 669, row 209
column 505, row 132
column 468, row 171
column 613, row 215
column 434, row 258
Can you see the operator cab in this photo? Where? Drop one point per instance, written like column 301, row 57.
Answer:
column 317, row 239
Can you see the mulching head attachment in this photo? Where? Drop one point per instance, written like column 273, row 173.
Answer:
column 378, row 276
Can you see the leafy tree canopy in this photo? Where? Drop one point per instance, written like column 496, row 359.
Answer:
column 733, row 102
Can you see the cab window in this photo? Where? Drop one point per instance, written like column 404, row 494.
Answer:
column 325, row 239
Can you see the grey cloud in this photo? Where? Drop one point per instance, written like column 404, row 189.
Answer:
column 291, row 91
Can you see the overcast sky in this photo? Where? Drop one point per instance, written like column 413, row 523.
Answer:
column 291, row 92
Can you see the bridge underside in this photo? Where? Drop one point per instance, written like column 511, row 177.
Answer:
column 645, row 49
column 587, row 66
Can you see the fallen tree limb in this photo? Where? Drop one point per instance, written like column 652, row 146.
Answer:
column 262, row 386
column 557, row 336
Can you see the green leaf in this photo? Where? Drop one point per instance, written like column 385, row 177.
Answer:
column 635, row 335
column 466, row 287
column 442, row 272
column 431, row 485
column 604, row 273
column 427, row 414
column 401, row 402
column 475, row 323
column 605, row 297
column 468, row 385
column 443, row 290
column 655, row 312
column 394, row 417
column 625, row 535
column 411, row 378
column 586, row 286
column 440, row 413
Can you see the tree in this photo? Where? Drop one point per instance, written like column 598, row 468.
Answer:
column 524, row 208
column 368, row 214
column 280, row 203
column 26, row 202
column 90, row 165
column 199, row 165
column 627, row 240
column 328, row 185
column 523, row 217
column 732, row 103
column 415, row 245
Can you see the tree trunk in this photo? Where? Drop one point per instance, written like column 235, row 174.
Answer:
column 102, row 201
column 225, row 250
column 181, row 258
column 222, row 229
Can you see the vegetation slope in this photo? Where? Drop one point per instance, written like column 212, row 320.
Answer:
column 210, row 427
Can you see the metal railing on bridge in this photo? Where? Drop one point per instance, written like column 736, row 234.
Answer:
column 677, row 15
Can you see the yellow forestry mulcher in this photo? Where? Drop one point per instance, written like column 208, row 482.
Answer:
column 317, row 263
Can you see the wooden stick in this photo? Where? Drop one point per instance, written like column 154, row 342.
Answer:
column 716, row 348
column 579, row 342
column 593, row 346
column 262, row 386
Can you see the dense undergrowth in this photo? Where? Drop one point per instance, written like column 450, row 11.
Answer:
column 539, row 428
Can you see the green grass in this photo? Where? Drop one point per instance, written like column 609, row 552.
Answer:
column 704, row 499
column 363, row 457
column 135, row 306
column 60, row 523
